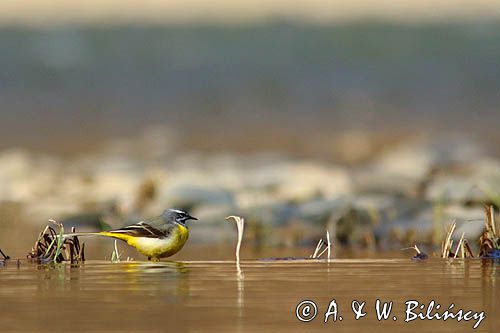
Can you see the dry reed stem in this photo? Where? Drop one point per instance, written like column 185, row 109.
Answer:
column 489, row 239
column 240, row 224
column 115, row 255
column 448, row 243
column 467, row 249
column 329, row 244
column 459, row 245
column 316, row 251
column 420, row 255
column 491, row 220
column 319, row 251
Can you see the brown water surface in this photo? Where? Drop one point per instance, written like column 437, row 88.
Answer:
column 262, row 295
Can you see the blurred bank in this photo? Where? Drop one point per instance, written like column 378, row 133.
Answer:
column 378, row 122
column 272, row 86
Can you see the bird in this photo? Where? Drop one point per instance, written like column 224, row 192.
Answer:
column 158, row 237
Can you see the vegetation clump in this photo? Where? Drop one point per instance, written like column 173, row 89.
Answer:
column 53, row 246
column 489, row 241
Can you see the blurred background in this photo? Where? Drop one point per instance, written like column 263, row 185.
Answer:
column 377, row 121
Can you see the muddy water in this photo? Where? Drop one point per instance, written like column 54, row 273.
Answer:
column 262, row 295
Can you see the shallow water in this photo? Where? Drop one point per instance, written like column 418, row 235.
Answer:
column 261, row 296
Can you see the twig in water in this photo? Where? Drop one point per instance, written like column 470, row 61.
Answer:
column 459, row 246
column 59, row 239
column 115, row 255
column 319, row 251
column 420, row 255
column 329, row 244
column 448, row 242
column 240, row 224
column 316, row 251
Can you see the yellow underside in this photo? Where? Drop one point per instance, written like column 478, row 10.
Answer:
column 155, row 247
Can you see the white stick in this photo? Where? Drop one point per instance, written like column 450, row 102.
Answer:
column 459, row 244
column 116, row 251
column 322, row 252
column 448, row 241
column 318, row 247
column 329, row 244
column 240, row 224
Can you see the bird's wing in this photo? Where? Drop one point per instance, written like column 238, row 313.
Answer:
column 141, row 229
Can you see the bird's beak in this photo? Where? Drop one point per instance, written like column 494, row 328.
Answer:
column 192, row 218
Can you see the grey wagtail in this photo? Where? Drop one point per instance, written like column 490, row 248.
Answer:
column 159, row 237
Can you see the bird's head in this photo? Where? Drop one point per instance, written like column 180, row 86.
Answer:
column 177, row 216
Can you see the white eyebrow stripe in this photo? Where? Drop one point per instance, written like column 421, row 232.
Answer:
column 177, row 211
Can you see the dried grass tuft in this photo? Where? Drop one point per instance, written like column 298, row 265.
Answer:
column 52, row 245
column 489, row 243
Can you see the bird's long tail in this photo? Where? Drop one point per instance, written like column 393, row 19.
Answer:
column 79, row 234
column 123, row 237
